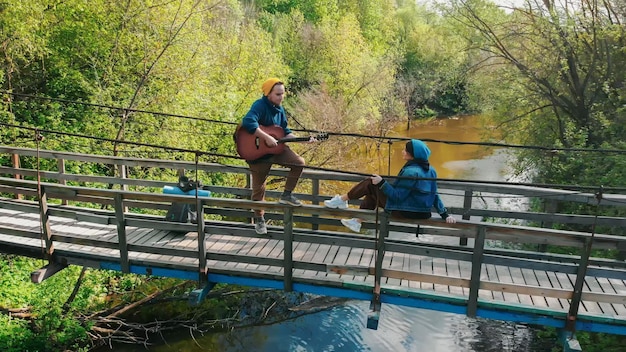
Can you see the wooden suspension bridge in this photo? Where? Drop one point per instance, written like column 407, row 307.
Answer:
column 496, row 269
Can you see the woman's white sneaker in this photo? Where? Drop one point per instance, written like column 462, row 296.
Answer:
column 336, row 203
column 353, row 224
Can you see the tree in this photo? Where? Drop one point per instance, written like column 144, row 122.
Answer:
column 432, row 74
column 566, row 67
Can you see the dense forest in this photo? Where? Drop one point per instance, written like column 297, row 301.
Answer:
column 179, row 73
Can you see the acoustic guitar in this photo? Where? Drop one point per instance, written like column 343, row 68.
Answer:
column 250, row 146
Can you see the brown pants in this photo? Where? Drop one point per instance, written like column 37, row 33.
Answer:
column 374, row 197
column 259, row 171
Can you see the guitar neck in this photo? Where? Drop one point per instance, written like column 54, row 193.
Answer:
column 296, row 139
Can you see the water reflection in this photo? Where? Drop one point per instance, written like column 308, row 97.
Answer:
column 454, row 161
column 343, row 329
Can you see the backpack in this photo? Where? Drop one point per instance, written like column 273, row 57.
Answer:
column 182, row 212
column 178, row 212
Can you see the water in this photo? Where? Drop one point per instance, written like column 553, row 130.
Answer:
column 343, row 328
column 452, row 161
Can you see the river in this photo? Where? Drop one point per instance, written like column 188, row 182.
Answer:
column 343, row 328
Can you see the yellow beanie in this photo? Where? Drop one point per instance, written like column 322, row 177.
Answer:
column 269, row 84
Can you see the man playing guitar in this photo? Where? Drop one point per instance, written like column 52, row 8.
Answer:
column 268, row 111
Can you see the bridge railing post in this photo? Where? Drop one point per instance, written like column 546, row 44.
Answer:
column 375, row 306
column 570, row 323
column 45, row 221
column 315, row 192
column 123, row 175
column 53, row 266
column 467, row 206
column 61, row 167
column 477, row 261
column 288, row 248
column 15, row 159
column 202, row 260
column 121, row 233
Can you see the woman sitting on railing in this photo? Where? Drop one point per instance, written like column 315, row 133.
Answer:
column 412, row 196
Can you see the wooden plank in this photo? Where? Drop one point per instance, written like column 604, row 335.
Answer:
column 531, row 279
column 619, row 288
column 329, row 259
column 426, row 267
column 392, row 261
column 453, row 269
column 214, row 244
column 562, row 282
column 159, row 240
column 307, row 257
column 255, row 247
column 594, row 287
column 188, row 241
column 272, row 245
column 517, row 278
column 405, row 267
column 544, row 281
column 152, row 238
column 414, row 267
column 504, row 275
column 170, row 242
column 466, row 272
column 482, row 293
column 229, row 246
column 354, row 258
column 439, row 269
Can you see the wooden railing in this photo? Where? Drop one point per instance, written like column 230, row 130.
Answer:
column 54, row 196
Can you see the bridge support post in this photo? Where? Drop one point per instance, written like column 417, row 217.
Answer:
column 375, row 305
column 61, row 168
column 570, row 323
column 202, row 261
column 288, row 249
column 47, row 271
column 467, row 206
column 316, row 193
column 198, row 295
column 15, row 158
column 121, row 233
column 569, row 341
column 477, row 261
column 45, row 221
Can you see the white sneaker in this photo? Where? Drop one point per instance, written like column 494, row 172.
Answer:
column 260, row 227
column 336, row 203
column 353, row 224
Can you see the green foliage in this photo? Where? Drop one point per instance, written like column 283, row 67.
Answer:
column 433, row 73
column 49, row 328
column 16, row 336
column 53, row 323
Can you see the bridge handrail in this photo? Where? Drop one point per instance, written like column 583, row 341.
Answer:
column 495, row 231
column 471, row 189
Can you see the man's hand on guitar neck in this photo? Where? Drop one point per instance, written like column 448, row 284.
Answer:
column 293, row 136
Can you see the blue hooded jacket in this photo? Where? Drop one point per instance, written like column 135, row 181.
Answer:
column 415, row 195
